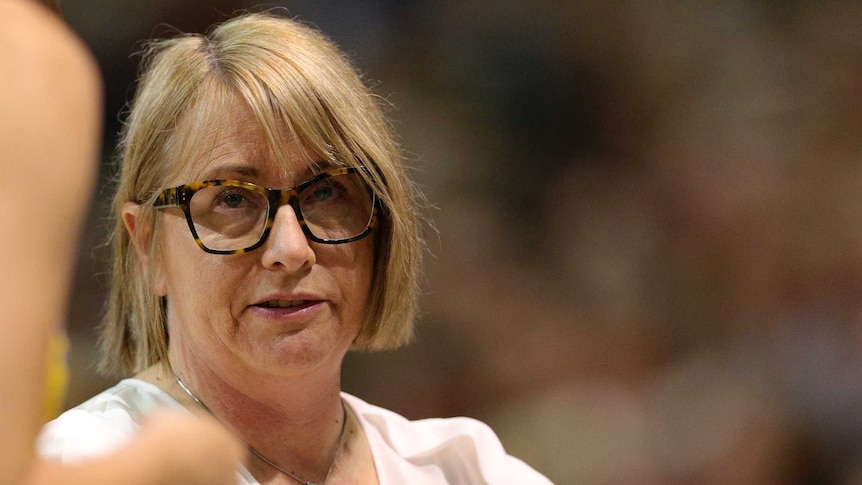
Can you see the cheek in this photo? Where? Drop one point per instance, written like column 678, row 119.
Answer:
column 362, row 273
column 350, row 269
column 188, row 276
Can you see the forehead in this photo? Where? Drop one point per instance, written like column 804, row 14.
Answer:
column 225, row 139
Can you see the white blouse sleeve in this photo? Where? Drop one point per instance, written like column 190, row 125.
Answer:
column 77, row 435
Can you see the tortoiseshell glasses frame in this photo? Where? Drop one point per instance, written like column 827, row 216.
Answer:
column 333, row 207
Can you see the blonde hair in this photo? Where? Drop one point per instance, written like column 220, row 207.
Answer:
column 301, row 89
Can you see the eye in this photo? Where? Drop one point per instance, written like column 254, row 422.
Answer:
column 323, row 193
column 232, row 199
column 226, row 198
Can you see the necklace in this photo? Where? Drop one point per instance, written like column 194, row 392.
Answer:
column 264, row 458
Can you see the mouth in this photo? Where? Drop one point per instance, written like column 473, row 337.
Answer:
column 284, row 303
column 287, row 304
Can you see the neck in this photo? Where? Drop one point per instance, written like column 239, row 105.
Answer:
column 293, row 424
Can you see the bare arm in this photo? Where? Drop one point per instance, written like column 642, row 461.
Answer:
column 50, row 106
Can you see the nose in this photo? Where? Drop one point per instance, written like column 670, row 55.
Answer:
column 287, row 247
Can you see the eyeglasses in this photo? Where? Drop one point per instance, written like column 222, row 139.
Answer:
column 233, row 217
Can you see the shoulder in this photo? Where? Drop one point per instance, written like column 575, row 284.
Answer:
column 460, row 450
column 103, row 423
column 415, row 436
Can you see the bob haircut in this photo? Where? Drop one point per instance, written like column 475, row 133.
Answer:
column 301, row 89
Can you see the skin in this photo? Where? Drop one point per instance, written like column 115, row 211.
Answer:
column 272, row 375
column 42, row 121
column 50, row 100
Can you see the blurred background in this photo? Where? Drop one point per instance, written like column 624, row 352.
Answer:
column 647, row 265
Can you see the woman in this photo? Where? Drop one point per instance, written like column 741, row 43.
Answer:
column 265, row 226
column 50, row 101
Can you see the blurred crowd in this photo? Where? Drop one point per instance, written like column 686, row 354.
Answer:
column 644, row 263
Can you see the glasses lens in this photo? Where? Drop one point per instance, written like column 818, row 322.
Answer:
column 227, row 218
column 337, row 207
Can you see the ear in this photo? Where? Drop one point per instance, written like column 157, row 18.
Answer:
column 140, row 233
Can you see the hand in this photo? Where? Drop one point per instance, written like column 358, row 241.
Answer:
column 192, row 450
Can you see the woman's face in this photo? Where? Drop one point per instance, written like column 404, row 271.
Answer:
column 289, row 307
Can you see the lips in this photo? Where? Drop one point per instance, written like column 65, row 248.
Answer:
column 282, row 303
column 286, row 304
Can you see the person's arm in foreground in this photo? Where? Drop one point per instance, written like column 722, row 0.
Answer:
column 50, row 108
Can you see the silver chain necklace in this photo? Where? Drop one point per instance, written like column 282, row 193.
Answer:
column 260, row 455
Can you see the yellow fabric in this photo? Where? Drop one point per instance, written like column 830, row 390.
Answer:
column 56, row 376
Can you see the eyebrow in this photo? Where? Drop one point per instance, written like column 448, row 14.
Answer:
column 241, row 170
column 315, row 168
column 248, row 171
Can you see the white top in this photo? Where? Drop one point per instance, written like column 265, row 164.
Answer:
column 424, row 452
